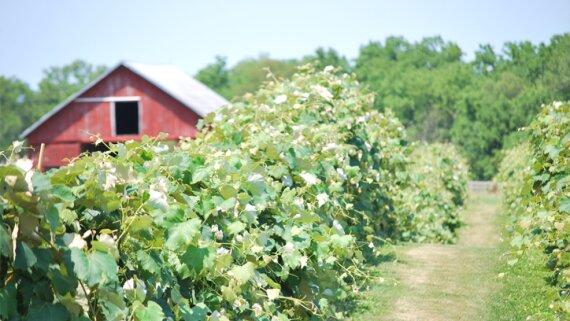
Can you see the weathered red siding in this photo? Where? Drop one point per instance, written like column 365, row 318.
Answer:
column 65, row 131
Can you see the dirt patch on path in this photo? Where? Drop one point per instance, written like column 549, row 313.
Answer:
column 451, row 282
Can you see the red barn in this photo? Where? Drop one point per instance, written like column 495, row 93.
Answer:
column 127, row 102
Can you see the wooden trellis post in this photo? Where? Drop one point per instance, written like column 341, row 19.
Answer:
column 41, row 157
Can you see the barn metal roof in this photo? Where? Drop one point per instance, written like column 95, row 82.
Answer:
column 169, row 78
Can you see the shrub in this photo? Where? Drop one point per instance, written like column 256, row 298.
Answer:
column 540, row 200
column 269, row 214
column 513, row 172
column 261, row 217
column 431, row 203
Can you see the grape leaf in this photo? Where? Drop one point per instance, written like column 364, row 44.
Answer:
column 63, row 192
column 5, row 242
column 242, row 273
column 25, row 257
column 47, row 312
column 182, row 234
column 228, row 191
column 40, row 182
column 8, row 302
column 62, row 283
column 236, row 227
column 52, row 216
column 199, row 312
column 94, row 268
column 150, row 262
column 197, row 258
column 565, row 205
column 152, row 312
column 112, row 305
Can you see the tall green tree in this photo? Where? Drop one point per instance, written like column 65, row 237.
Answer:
column 15, row 108
column 20, row 106
column 60, row 82
column 556, row 57
column 419, row 81
column 216, row 75
column 246, row 76
column 328, row 57
column 249, row 74
column 478, row 105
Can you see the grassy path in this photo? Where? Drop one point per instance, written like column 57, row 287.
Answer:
column 442, row 282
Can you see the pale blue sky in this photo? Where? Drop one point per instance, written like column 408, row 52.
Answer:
column 38, row 34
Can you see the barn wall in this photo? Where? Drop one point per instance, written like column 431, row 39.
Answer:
column 57, row 154
column 78, row 121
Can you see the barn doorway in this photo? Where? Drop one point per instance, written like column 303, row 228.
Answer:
column 126, row 117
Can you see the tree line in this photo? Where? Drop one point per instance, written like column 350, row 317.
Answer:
column 438, row 94
column 20, row 106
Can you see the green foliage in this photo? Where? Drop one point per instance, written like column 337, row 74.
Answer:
column 436, row 194
column 439, row 97
column 264, row 215
column 268, row 214
column 15, row 108
column 539, row 201
column 246, row 76
column 328, row 57
column 523, row 294
column 514, row 169
column 20, row 106
column 477, row 105
column 216, row 76
column 61, row 82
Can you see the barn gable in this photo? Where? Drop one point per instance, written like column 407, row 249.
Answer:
column 189, row 92
column 126, row 103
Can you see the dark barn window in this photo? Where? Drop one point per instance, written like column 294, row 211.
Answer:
column 126, row 117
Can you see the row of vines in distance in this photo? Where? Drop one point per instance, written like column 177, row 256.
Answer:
column 535, row 180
